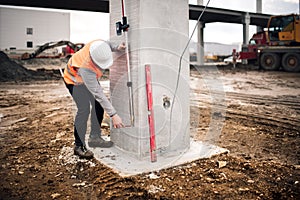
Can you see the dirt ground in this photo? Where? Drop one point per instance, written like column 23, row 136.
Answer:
column 261, row 131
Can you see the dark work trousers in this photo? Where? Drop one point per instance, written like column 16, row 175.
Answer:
column 84, row 99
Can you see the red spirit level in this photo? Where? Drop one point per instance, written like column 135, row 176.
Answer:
column 150, row 114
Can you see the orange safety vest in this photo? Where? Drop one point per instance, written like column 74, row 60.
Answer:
column 80, row 59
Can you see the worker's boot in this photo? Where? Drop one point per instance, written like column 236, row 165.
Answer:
column 83, row 152
column 98, row 141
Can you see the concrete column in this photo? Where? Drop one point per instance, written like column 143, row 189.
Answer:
column 157, row 36
column 246, row 24
column 200, row 44
column 259, row 6
column 259, row 10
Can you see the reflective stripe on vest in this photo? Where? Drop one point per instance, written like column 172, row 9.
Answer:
column 80, row 59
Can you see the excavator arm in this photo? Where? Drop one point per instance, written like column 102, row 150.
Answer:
column 46, row 46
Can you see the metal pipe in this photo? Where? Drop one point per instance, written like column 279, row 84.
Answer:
column 129, row 81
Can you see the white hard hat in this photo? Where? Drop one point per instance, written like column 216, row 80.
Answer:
column 101, row 54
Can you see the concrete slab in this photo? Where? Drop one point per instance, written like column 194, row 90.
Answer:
column 126, row 165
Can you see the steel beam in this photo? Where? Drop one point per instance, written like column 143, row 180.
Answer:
column 84, row 5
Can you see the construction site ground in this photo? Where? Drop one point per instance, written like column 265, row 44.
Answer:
column 261, row 130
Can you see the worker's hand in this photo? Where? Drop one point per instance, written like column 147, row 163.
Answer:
column 122, row 46
column 117, row 121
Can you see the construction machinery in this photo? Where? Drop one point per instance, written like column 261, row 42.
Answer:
column 67, row 51
column 278, row 46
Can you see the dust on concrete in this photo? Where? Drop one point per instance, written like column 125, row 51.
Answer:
column 261, row 131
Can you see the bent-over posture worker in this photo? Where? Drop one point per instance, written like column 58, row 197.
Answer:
column 81, row 76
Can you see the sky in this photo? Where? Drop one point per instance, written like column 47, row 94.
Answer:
column 230, row 33
column 86, row 26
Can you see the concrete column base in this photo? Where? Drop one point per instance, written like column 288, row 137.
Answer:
column 126, row 165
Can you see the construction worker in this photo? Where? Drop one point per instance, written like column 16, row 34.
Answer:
column 81, row 76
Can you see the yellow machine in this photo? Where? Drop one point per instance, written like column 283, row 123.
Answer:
column 282, row 47
column 284, row 29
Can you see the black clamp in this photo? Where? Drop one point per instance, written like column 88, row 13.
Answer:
column 122, row 26
column 129, row 84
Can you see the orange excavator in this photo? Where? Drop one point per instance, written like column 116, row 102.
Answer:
column 67, row 52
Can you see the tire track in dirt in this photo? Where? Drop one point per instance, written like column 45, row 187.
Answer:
column 237, row 106
column 265, row 119
column 280, row 116
column 289, row 101
column 112, row 186
column 256, row 126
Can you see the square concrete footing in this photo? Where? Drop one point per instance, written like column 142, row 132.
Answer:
column 126, row 165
